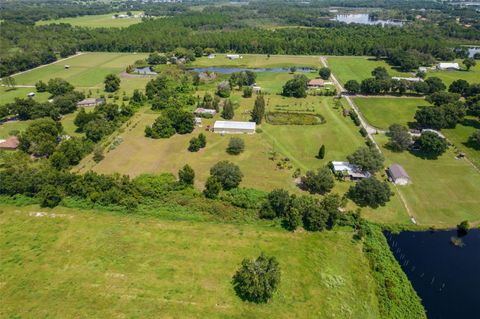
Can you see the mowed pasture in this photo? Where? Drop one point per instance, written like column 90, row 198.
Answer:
column 471, row 76
column 459, row 136
column 97, row 264
column 358, row 67
column 382, row 112
column 260, row 61
column 87, row 70
column 95, row 21
column 443, row 192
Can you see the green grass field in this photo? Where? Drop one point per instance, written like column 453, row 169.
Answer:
column 260, row 61
column 81, row 264
column 382, row 112
column 459, row 137
column 96, row 21
column 358, row 67
column 9, row 95
column 472, row 76
column 443, row 191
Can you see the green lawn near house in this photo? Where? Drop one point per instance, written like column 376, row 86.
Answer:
column 471, row 76
column 73, row 264
column 460, row 135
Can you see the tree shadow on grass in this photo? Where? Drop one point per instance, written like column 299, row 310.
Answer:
column 472, row 123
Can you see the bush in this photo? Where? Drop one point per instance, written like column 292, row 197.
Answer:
column 432, row 145
column 227, row 173
column 213, row 186
column 50, row 196
column 186, row 175
column 247, row 92
column 463, row 228
column 258, row 279
column 278, row 202
column 235, row 146
column 244, row 197
column 194, row 145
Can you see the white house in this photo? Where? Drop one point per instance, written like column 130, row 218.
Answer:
column 233, row 56
column 346, row 169
column 398, row 175
column 448, row 66
column 233, row 127
column 198, row 121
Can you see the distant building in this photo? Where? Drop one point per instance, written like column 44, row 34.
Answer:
column 202, row 112
column 398, row 175
column 256, row 88
column 349, row 170
column 398, row 78
column 198, row 121
column 316, row 83
column 448, row 66
column 233, row 56
column 10, row 144
column 233, row 127
column 211, row 56
column 423, row 69
column 67, row 66
column 144, row 71
column 90, row 102
column 31, row 94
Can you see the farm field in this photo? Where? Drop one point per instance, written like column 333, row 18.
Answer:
column 358, row 67
column 260, row 61
column 443, row 191
column 382, row 112
column 108, row 265
column 95, row 21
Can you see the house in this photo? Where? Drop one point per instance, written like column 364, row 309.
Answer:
column 233, row 127
column 256, row 88
column 200, row 111
column 398, row 78
column 211, row 56
column 10, row 144
column 144, row 71
column 90, row 102
column 398, row 175
column 349, row 170
column 233, row 56
column 67, row 66
column 316, row 83
column 448, row 66
column 31, row 94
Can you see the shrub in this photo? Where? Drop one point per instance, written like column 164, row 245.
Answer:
column 432, row 145
column 194, row 145
column 213, row 186
column 247, row 92
column 202, row 139
column 227, row 173
column 50, row 196
column 463, row 228
column 258, row 279
column 235, row 146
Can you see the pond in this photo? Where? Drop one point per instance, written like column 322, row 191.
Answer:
column 445, row 276
column 365, row 18
column 230, row 70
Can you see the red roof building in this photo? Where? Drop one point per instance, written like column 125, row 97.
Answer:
column 10, row 143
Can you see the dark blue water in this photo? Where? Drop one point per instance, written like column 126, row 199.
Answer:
column 446, row 277
column 227, row 70
column 364, row 18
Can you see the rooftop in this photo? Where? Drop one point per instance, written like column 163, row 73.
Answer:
column 316, row 82
column 397, row 171
column 234, row 125
column 351, row 169
column 11, row 142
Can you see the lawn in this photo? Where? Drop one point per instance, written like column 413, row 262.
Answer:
column 472, row 76
column 358, row 67
column 443, row 191
column 87, row 70
column 81, row 264
column 382, row 112
column 9, row 95
column 260, row 61
column 459, row 137
column 96, row 21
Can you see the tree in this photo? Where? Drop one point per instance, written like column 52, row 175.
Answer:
column 194, row 144
column 41, row 86
column 258, row 279
column 41, row 137
column 227, row 112
column 98, row 154
column 59, row 86
column 421, row 87
column 469, row 62
column 368, row 159
column 138, row 97
column 247, row 92
column 432, row 144
column 182, row 121
column 278, row 202
column 440, row 98
column 212, row 187
column 50, row 196
column 202, row 139
column 435, row 84
column 161, row 128
column 223, row 89
column 352, row 86
column 296, row 87
column 112, row 83
column 292, row 219
column 67, row 103
column 155, row 58
column 438, row 117
column 186, row 175
column 400, row 138
column 380, row 73
column 235, row 146
column 198, row 51
column 319, row 182
column 324, row 73
column 371, row 86
column 463, row 228
column 475, row 138
column 459, row 86
column 321, row 152
column 227, row 173
column 9, row 82
column 370, row 192
column 258, row 111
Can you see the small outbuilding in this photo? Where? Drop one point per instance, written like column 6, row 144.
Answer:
column 233, row 127
column 31, row 94
column 90, row 102
column 233, row 56
column 316, row 83
column 10, row 144
column 398, row 78
column 448, row 66
column 211, row 56
column 348, row 170
column 144, row 71
column 67, row 66
column 398, row 175
column 256, row 88
column 200, row 111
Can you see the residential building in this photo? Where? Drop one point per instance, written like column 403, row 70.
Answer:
column 348, row 170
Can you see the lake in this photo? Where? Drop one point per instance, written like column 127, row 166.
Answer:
column 446, row 277
column 230, row 70
column 364, row 18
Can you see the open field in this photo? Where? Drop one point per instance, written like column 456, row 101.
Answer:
column 87, row 70
column 443, row 191
column 382, row 112
column 260, row 61
column 358, row 67
column 9, row 95
column 459, row 137
column 472, row 76
column 96, row 21
column 78, row 264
